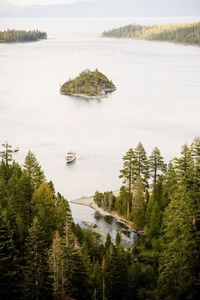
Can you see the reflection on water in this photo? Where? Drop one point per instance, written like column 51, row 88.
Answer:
column 156, row 102
column 106, row 224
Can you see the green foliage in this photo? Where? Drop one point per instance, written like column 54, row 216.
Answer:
column 88, row 83
column 8, row 254
column 156, row 164
column 105, row 200
column 33, row 170
column 30, row 214
column 155, row 211
column 6, row 154
column 16, row 36
column 37, row 285
column 180, row 261
column 135, row 165
column 139, row 205
column 127, row 173
column 141, row 164
column 176, row 33
column 44, row 255
column 56, row 263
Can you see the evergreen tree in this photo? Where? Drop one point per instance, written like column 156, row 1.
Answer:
column 118, row 280
column 3, row 194
column 170, row 183
column 156, row 164
column 6, row 154
column 69, row 242
column 33, row 170
column 18, row 205
column 43, row 206
column 184, row 167
column 96, row 281
column 37, row 273
column 141, row 164
column 139, row 205
column 127, row 173
column 155, row 211
column 195, row 151
column 180, row 259
column 80, row 286
column 8, row 268
column 56, row 261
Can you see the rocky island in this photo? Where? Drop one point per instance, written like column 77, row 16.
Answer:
column 89, row 84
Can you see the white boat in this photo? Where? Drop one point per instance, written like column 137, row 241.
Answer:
column 71, row 156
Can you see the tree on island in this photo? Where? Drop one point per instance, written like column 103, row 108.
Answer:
column 89, row 84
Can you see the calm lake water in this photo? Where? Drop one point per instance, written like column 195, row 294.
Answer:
column 157, row 100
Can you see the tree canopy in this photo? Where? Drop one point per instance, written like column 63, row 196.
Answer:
column 188, row 33
column 16, row 36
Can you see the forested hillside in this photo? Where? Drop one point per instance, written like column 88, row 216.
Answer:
column 44, row 255
column 176, row 33
column 163, row 202
column 14, row 36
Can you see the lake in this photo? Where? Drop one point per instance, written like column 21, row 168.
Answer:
column 157, row 101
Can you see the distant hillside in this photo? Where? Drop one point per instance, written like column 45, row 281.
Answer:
column 176, row 33
column 105, row 8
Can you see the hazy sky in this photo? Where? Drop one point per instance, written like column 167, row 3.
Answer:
column 42, row 1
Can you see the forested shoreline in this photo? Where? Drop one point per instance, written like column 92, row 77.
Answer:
column 16, row 36
column 44, row 255
column 176, row 33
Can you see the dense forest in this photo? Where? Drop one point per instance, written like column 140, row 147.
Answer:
column 88, row 83
column 16, row 36
column 176, row 33
column 44, row 255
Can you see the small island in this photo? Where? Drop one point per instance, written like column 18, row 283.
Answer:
column 21, row 36
column 187, row 33
column 89, row 84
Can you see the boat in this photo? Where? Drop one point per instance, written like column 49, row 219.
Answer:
column 71, row 156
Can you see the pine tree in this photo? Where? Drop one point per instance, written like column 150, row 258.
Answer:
column 118, row 280
column 18, row 204
column 96, row 281
column 8, row 254
column 155, row 211
column 156, row 164
column 170, row 183
column 141, row 165
column 180, row 260
column 33, row 170
column 6, row 154
column 3, row 194
column 195, row 152
column 69, row 242
column 139, row 205
column 123, row 202
column 127, row 173
column 44, row 207
column 80, row 286
column 56, row 261
column 184, row 166
column 37, row 273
